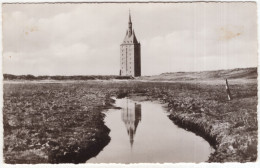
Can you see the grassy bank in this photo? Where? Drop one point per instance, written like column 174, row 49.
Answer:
column 53, row 123
column 229, row 126
column 63, row 122
column 217, row 75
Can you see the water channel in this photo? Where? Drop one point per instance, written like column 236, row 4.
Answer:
column 141, row 132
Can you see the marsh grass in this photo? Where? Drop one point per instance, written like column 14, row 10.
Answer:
column 63, row 122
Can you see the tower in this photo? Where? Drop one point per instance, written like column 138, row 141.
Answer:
column 131, row 115
column 130, row 53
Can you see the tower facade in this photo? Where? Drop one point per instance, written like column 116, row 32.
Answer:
column 130, row 53
column 131, row 115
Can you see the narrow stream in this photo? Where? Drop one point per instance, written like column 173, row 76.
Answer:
column 141, row 132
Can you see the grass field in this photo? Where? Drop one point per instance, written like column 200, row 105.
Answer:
column 63, row 122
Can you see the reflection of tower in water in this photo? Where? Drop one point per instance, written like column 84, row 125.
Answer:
column 131, row 115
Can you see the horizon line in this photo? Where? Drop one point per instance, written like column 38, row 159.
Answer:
column 141, row 75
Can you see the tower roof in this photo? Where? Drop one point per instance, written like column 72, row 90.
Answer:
column 134, row 37
column 129, row 21
column 130, row 37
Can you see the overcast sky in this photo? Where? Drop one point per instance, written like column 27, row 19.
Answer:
column 84, row 39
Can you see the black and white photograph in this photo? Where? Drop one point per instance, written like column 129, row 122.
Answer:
column 129, row 82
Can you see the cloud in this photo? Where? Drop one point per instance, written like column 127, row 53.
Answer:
column 85, row 38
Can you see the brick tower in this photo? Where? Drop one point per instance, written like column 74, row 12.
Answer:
column 130, row 53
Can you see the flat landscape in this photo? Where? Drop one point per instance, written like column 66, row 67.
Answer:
column 63, row 122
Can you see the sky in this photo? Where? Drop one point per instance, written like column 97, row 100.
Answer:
column 85, row 38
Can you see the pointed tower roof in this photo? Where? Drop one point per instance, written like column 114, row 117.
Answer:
column 129, row 21
column 134, row 38
column 130, row 37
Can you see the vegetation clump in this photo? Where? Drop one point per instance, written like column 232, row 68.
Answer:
column 53, row 123
column 58, row 77
column 63, row 122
